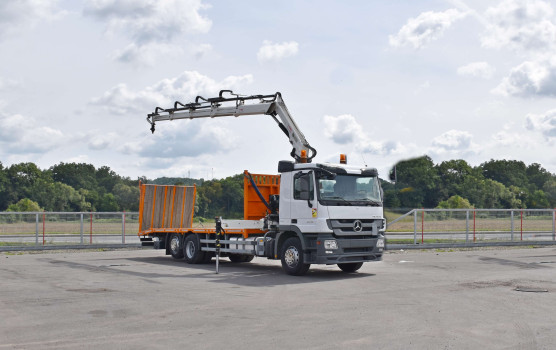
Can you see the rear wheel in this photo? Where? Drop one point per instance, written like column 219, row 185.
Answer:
column 350, row 267
column 192, row 250
column 175, row 246
column 292, row 257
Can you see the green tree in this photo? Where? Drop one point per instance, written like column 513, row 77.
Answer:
column 108, row 203
column 24, row 204
column 417, row 182
column 538, row 199
column 452, row 175
column 506, row 172
column 76, row 175
column 455, row 202
column 550, row 189
column 127, row 196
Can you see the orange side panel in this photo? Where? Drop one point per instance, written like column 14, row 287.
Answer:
column 253, row 208
column 165, row 208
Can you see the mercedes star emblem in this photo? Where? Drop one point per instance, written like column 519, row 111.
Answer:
column 357, row 226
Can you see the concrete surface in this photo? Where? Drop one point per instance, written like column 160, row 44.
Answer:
column 142, row 299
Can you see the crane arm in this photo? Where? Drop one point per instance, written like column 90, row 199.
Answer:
column 272, row 105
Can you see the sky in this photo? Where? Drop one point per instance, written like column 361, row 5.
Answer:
column 381, row 81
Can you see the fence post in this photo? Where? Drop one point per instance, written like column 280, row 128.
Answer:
column 422, row 225
column 512, row 216
column 37, row 229
column 474, row 215
column 467, row 226
column 415, row 226
column 521, row 225
column 81, row 230
column 554, row 224
column 123, row 227
column 43, row 227
column 91, row 229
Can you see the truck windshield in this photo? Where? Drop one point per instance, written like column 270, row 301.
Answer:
column 350, row 190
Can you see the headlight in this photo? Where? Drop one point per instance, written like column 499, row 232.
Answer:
column 330, row 244
column 380, row 243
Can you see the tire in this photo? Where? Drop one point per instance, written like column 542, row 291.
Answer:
column 240, row 258
column 350, row 267
column 292, row 257
column 192, row 250
column 175, row 246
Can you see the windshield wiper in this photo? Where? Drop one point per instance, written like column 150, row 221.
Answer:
column 338, row 198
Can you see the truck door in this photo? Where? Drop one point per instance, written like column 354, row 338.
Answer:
column 304, row 203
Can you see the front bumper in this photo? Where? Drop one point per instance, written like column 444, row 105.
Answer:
column 349, row 250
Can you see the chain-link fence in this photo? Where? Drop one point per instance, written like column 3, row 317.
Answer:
column 426, row 226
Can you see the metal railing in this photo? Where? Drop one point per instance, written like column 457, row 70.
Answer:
column 453, row 227
column 56, row 229
column 417, row 228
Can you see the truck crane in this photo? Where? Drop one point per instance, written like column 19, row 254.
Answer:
column 311, row 213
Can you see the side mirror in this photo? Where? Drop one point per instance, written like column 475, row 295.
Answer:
column 393, row 175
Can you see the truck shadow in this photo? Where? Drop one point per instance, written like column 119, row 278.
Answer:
column 248, row 274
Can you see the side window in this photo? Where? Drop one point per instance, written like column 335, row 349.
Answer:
column 303, row 183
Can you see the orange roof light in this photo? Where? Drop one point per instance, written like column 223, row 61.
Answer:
column 303, row 156
column 343, row 159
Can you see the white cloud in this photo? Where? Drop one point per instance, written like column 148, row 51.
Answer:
column 189, row 140
column 344, row 129
column 202, row 50
column 544, row 123
column 16, row 15
column 530, row 78
column 426, row 27
column 99, row 141
column 148, row 23
column 477, row 69
column 455, row 143
column 21, row 135
column 520, row 25
column 275, row 52
column 185, row 87
column 7, row 84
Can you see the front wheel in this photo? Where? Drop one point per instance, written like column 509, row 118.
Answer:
column 175, row 246
column 292, row 257
column 350, row 267
column 192, row 250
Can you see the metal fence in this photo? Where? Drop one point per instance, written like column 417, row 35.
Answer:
column 27, row 229
column 473, row 226
column 423, row 228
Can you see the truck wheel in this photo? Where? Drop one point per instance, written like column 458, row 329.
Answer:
column 292, row 257
column 192, row 250
column 239, row 258
column 175, row 246
column 350, row 267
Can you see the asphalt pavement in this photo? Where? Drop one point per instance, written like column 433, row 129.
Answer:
column 142, row 299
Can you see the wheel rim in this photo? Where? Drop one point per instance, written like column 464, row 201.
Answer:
column 175, row 244
column 190, row 249
column 291, row 256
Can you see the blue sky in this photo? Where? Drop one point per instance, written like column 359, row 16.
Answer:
column 380, row 81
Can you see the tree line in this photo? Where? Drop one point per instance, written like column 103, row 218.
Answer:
column 420, row 183
column 78, row 187
column 456, row 184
